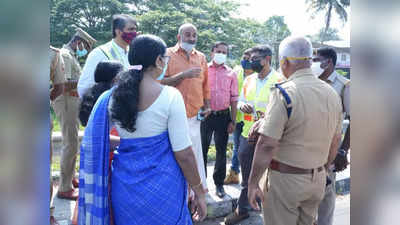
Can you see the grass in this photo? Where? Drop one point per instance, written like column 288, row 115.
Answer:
column 56, row 122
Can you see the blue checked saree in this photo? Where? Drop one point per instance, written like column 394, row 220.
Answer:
column 147, row 184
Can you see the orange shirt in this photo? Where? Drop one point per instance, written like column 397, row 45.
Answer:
column 193, row 90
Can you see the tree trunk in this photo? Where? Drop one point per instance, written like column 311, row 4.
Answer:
column 328, row 21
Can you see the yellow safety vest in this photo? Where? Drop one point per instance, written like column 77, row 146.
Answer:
column 110, row 50
column 240, row 77
column 260, row 101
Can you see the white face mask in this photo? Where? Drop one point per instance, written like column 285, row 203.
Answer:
column 219, row 58
column 316, row 69
column 188, row 47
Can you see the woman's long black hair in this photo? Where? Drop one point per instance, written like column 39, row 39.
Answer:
column 104, row 75
column 144, row 51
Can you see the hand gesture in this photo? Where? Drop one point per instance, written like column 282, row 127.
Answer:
column 253, row 132
column 254, row 193
column 192, row 72
column 231, row 127
column 340, row 162
column 247, row 108
column 198, row 207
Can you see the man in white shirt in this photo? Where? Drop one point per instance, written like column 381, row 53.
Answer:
column 124, row 31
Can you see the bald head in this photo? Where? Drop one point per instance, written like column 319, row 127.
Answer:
column 295, row 47
column 187, row 33
column 186, row 26
column 295, row 53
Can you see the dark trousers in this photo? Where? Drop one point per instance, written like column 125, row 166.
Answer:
column 236, row 142
column 217, row 125
column 246, row 153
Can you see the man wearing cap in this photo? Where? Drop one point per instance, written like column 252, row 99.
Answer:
column 123, row 31
column 65, row 103
column 298, row 139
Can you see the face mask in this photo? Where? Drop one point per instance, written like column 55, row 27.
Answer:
column 316, row 69
column 81, row 53
column 128, row 37
column 245, row 64
column 256, row 66
column 163, row 71
column 188, row 47
column 219, row 58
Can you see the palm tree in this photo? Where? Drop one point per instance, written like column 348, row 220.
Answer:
column 328, row 5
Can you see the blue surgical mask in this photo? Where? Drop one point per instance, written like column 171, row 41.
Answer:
column 245, row 64
column 81, row 53
column 163, row 71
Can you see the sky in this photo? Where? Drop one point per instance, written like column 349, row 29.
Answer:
column 296, row 16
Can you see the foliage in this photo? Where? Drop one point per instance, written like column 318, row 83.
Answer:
column 341, row 72
column 317, row 6
column 330, row 35
column 216, row 20
column 93, row 16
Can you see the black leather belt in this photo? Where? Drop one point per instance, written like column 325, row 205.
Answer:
column 220, row 112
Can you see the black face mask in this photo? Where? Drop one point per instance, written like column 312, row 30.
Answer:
column 256, row 66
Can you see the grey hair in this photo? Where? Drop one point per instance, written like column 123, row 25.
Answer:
column 185, row 25
column 295, row 47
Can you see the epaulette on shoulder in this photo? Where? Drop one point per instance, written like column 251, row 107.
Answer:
column 54, row 49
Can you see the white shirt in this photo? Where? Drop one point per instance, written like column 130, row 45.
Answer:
column 86, row 80
column 342, row 90
column 166, row 113
column 259, row 85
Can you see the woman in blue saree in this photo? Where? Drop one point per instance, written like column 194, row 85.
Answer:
column 154, row 163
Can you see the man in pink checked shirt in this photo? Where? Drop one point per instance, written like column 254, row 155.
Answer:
column 224, row 97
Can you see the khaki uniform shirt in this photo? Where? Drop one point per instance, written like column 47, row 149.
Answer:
column 72, row 68
column 56, row 65
column 304, row 138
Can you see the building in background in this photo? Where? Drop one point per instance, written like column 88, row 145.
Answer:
column 343, row 54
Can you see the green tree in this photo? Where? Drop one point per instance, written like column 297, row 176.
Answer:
column 272, row 32
column 327, row 6
column 93, row 16
column 322, row 36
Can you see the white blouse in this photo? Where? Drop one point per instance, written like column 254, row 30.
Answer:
column 167, row 112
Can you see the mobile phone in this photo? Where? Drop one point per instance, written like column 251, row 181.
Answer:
column 200, row 116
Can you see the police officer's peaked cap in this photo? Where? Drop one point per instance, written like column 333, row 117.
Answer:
column 85, row 36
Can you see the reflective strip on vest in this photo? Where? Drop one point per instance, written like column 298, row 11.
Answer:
column 261, row 100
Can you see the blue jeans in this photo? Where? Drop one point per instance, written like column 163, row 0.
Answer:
column 235, row 159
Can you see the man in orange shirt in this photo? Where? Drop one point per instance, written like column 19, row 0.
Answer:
column 188, row 72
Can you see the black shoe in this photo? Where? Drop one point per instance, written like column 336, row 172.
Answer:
column 220, row 191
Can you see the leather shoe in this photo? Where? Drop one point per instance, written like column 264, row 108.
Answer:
column 235, row 217
column 220, row 191
column 75, row 183
column 69, row 195
column 53, row 221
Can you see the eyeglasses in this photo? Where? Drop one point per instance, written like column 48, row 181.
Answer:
column 256, row 58
column 294, row 58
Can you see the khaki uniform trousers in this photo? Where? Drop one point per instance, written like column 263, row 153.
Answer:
column 292, row 199
column 67, row 109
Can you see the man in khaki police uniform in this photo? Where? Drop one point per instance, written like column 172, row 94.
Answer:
column 299, row 136
column 56, row 66
column 65, row 103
